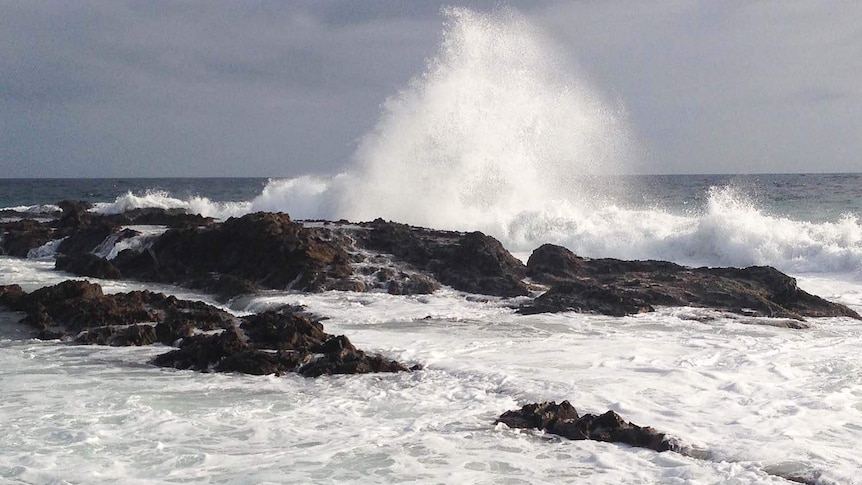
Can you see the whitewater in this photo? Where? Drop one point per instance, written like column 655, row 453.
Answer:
column 498, row 134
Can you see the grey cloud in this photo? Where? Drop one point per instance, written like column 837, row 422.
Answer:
column 157, row 88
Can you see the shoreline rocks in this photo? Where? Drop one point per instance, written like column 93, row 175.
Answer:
column 271, row 251
column 267, row 343
column 617, row 288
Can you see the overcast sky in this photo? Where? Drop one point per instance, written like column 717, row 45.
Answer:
column 283, row 88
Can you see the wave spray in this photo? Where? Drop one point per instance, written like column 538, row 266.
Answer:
column 496, row 125
column 500, row 134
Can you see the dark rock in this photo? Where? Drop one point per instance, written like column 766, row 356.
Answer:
column 265, row 249
column 203, row 352
column 471, row 262
column 75, row 213
column 539, row 415
column 615, row 287
column 19, row 237
column 583, row 297
column 257, row 362
column 347, row 285
column 87, row 264
column 173, row 218
column 11, row 296
column 85, row 239
column 132, row 335
column 268, row 343
column 412, row 284
column 278, row 331
column 74, row 306
column 182, row 318
column 348, row 360
column 276, row 343
column 564, row 421
column 550, row 264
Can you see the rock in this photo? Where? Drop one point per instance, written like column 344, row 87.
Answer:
column 259, row 363
column 562, row 419
column 173, row 218
column 75, row 213
column 276, row 342
column 615, row 287
column 11, row 296
column 278, row 331
column 75, row 306
column 539, row 415
column 584, row 297
column 472, row 262
column 265, row 249
column 132, row 335
column 182, row 318
column 412, row 284
column 19, row 237
column 87, row 264
column 203, row 352
column 551, row 264
column 349, row 360
column 87, row 238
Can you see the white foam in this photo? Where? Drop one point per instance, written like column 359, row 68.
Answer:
column 163, row 200
column 757, row 399
column 45, row 251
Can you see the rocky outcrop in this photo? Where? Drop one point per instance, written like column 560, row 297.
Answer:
column 270, row 251
column 268, row 343
column 261, row 250
column 617, row 288
column 563, row 420
column 73, row 306
column 17, row 238
column 472, row 262
column 275, row 343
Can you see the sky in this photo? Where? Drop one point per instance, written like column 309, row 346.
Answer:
column 155, row 88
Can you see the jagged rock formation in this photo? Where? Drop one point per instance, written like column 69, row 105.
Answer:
column 270, row 251
column 615, row 287
column 268, row 343
column 563, row 420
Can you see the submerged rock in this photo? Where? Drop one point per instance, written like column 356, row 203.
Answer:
column 563, row 420
column 615, row 287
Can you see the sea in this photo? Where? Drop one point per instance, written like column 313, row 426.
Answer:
column 759, row 401
column 498, row 134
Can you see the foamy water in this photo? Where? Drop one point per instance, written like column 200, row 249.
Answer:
column 756, row 399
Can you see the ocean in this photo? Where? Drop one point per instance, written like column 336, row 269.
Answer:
column 761, row 401
column 497, row 135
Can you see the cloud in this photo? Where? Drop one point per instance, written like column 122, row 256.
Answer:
column 266, row 88
column 727, row 86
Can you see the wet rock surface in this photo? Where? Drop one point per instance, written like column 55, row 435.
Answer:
column 272, row 342
column 471, row 262
column 615, row 287
column 270, row 251
column 261, row 250
column 275, row 343
column 563, row 420
column 21, row 236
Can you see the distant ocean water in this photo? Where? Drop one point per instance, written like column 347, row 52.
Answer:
column 803, row 197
